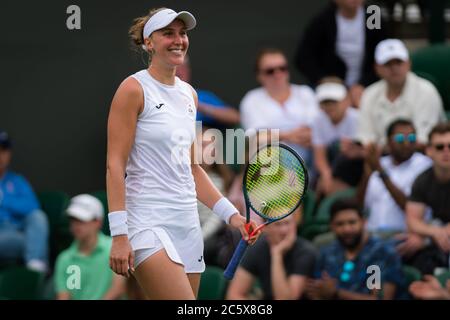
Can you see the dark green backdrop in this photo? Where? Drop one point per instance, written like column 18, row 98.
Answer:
column 56, row 84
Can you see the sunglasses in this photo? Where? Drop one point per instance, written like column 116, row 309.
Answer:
column 347, row 269
column 401, row 138
column 271, row 71
column 441, row 146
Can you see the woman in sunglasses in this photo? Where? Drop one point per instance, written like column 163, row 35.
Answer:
column 278, row 104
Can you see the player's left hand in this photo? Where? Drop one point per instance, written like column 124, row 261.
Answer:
column 239, row 222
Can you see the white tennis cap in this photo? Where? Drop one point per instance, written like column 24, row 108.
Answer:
column 390, row 49
column 85, row 207
column 330, row 91
column 165, row 17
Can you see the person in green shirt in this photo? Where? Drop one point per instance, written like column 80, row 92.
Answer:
column 82, row 271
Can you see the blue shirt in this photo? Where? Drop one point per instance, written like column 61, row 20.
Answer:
column 352, row 275
column 207, row 97
column 17, row 198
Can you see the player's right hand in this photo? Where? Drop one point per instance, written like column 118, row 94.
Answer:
column 121, row 259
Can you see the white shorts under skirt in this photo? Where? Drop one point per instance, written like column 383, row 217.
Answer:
column 182, row 239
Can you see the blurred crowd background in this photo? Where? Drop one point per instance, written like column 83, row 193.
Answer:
column 366, row 108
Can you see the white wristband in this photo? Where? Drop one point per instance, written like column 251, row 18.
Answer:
column 118, row 223
column 224, row 209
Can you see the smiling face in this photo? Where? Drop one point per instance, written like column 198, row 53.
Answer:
column 169, row 45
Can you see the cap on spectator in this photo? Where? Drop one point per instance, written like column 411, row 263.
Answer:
column 5, row 141
column 85, row 207
column 390, row 49
column 330, row 91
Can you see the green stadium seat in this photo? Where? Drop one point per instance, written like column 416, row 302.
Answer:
column 212, row 284
column 433, row 63
column 312, row 230
column 411, row 274
column 54, row 204
column 103, row 197
column 309, row 204
column 323, row 212
column 19, row 283
column 443, row 278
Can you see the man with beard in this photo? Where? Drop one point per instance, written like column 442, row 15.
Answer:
column 387, row 183
column 356, row 266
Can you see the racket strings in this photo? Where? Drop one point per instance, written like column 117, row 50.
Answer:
column 275, row 182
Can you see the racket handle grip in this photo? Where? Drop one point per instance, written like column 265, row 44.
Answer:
column 234, row 262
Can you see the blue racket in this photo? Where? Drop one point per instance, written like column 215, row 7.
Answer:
column 275, row 183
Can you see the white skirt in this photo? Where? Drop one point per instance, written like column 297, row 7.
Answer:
column 176, row 231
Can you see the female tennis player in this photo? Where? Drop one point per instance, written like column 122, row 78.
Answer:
column 151, row 130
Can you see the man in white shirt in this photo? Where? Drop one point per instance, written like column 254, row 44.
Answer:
column 399, row 94
column 336, row 157
column 387, row 183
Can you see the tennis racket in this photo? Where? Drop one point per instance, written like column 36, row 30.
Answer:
column 275, row 183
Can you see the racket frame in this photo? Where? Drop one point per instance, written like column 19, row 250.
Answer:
column 248, row 204
column 243, row 244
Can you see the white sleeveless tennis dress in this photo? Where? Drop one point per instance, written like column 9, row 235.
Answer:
column 160, row 190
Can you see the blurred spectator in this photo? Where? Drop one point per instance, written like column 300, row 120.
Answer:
column 337, row 42
column 400, row 94
column 337, row 157
column 212, row 111
column 387, row 183
column 342, row 269
column 279, row 260
column 82, row 271
column 23, row 226
column 432, row 189
column 278, row 104
column 430, row 289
